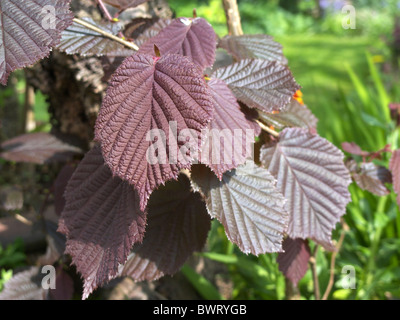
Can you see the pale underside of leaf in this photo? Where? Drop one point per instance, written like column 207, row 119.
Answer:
column 101, row 219
column 178, row 225
column 28, row 31
column 293, row 115
column 256, row 46
column 194, row 38
column 248, row 204
column 260, row 84
column 77, row 39
column 149, row 97
column 293, row 263
column 25, row 285
column 372, row 177
column 39, row 148
column 313, row 178
column 230, row 137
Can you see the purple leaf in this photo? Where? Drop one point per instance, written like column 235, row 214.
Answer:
column 77, row 39
column 394, row 167
column 149, row 104
column 231, row 137
column 313, row 178
column 124, row 4
column 255, row 46
column 353, row 148
column 248, row 204
column 64, row 286
column 28, row 31
column 294, row 115
column 60, row 185
column 251, row 117
column 25, row 285
column 260, row 84
column 293, row 263
column 37, row 148
column 101, row 220
column 373, row 178
column 178, row 225
column 194, row 38
column 148, row 33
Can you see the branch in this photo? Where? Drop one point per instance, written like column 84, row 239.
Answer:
column 313, row 265
column 267, row 129
column 333, row 260
column 233, row 17
column 104, row 9
column 106, row 34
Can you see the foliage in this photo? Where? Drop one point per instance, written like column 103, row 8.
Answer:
column 11, row 257
column 117, row 187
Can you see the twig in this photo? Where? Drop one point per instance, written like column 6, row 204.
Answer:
column 23, row 219
column 28, row 116
column 267, row 129
column 313, row 266
column 328, row 290
column 233, row 17
column 127, row 44
column 104, row 9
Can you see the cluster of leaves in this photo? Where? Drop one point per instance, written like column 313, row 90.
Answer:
column 126, row 215
column 371, row 176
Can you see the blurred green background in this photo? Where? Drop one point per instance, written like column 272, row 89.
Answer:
column 348, row 78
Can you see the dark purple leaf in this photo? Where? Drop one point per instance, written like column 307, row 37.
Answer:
column 28, row 31
column 25, row 285
column 101, row 220
column 110, row 65
column 230, row 136
column 60, row 185
column 64, row 286
column 154, row 29
column 37, row 148
column 194, row 38
column 124, row 4
column 294, row 115
column 251, row 117
column 151, row 108
column 260, row 84
column 394, row 167
column 178, row 225
column 77, row 39
column 248, row 204
column 293, row 263
column 313, row 178
column 353, row 148
column 255, row 46
column 55, row 245
column 372, row 177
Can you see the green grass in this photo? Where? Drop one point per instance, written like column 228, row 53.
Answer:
column 319, row 65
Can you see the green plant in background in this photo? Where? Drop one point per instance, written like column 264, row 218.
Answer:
column 11, row 257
